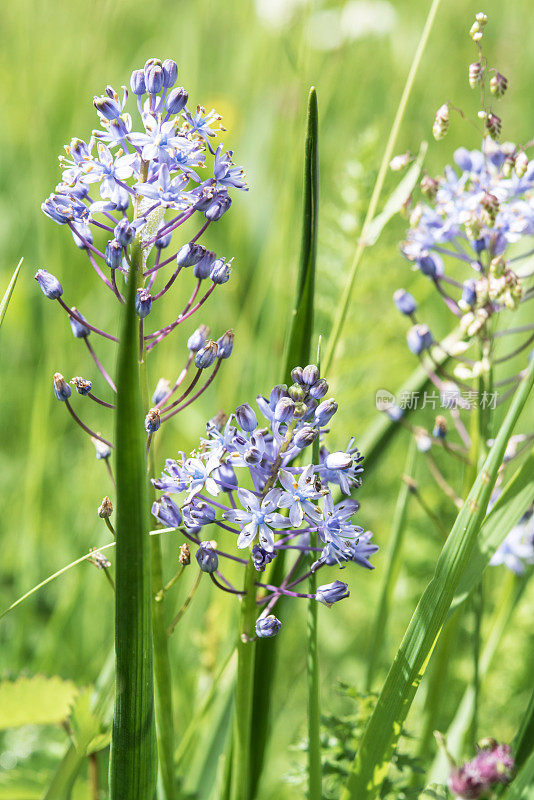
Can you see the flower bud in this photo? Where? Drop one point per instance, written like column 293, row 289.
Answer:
column 226, row 476
column 296, row 393
column 79, row 330
column 170, row 72
column 490, row 208
column 331, row 593
column 152, row 421
column 82, row 385
column 475, row 74
column 176, row 100
column 440, row 428
column 246, row 417
column 103, row 450
column 319, row 389
column 441, row 122
column 206, row 355
column 161, row 391
column 261, row 558
column 163, row 240
column 207, row 558
column 124, row 232
column 429, row 186
column 498, row 84
column 310, row 374
column 469, row 293
column 154, row 79
column 50, row 286
column 405, row 302
column 61, row 387
column 284, row 410
column 203, row 267
column 296, row 374
column 521, row 164
column 200, row 513
column 225, row 345
column 198, row 338
column 340, row 460
column 429, row 266
column 137, row 82
column 325, row 411
column 105, row 509
column 301, row 409
column 400, row 162
column 106, row 107
column 189, row 254
column 113, row 254
column 305, row 436
column 493, row 126
column 167, row 512
column 218, row 208
column 220, row 271
column 266, row 627
column 419, row 339
column 143, row 303
column 185, row 555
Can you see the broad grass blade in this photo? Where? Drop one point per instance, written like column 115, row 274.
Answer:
column 133, row 759
column 385, row 726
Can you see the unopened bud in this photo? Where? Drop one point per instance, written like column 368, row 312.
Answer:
column 82, row 385
column 441, row 122
column 475, row 74
column 105, row 509
column 521, row 164
column 429, row 186
column 62, row 389
column 493, row 126
column 498, row 84
column 185, row 555
column 152, row 420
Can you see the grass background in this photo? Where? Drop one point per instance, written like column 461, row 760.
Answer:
column 55, row 56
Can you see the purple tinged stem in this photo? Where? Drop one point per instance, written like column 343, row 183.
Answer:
column 115, row 287
column 180, row 379
column 168, row 284
column 99, row 365
column 75, row 316
column 184, row 395
column 200, row 232
column 87, row 244
column 225, row 588
column 84, row 426
column 165, row 331
column 99, row 401
column 98, row 270
column 195, row 396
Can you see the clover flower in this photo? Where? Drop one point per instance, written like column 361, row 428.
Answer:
column 125, row 193
column 252, row 468
column 492, row 765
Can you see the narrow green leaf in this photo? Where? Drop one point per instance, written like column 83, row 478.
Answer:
column 298, row 351
column 301, row 328
column 35, row 701
column 392, row 566
column 384, row 728
column 9, row 291
column 523, row 743
column 133, row 761
column 507, row 511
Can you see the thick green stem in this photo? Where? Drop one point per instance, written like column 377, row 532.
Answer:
column 244, row 688
column 314, row 702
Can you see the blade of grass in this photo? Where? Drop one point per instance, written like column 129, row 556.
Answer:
column 133, row 757
column 298, row 351
column 339, row 321
column 523, row 743
column 391, row 571
column 522, row 787
column 9, row 291
column 384, row 728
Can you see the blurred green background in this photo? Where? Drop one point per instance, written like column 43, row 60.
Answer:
column 253, row 61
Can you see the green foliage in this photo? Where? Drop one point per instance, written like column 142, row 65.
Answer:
column 8, row 292
column 89, row 732
column 35, row 701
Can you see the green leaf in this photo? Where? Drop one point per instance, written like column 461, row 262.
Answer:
column 523, row 743
column 379, row 740
column 507, row 511
column 298, row 352
column 301, row 328
column 89, row 731
column 9, row 291
column 522, row 787
column 434, row 791
column 35, row 701
column 133, row 758
column 397, row 198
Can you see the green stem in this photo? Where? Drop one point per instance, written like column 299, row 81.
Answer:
column 244, row 689
column 314, row 703
column 391, row 572
column 186, row 604
column 373, row 203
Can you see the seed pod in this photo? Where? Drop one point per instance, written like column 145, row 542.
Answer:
column 493, row 126
column 441, row 122
column 475, row 74
column 498, row 84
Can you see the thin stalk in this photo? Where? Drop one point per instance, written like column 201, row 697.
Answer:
column 314, row 703
column 244, row 689
column 186, row 604
column 339, row 322
column 391, row 572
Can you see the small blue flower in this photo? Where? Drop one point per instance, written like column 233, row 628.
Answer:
column 266, row 627
column 258, row 519
column 207, row 354
column 62, row 389
column 336, row 527
column 79, row 330
column 167, row 512
column 298, row 495
column 405, row 302
column 225, row 345
column 207, row 558
column 143, row 303
column 419, row 339
column 331, row 593
column 261, row 558
column 246, row 417
column 50, row 286
column 517, row 550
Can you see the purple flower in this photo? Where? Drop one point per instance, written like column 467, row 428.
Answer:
column 331, row 593
column 298, row 495
column 267, row 627
column 258, row 518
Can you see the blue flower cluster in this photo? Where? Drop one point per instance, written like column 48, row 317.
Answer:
column 282, row 504
column 124, row 194
column 517, row 550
